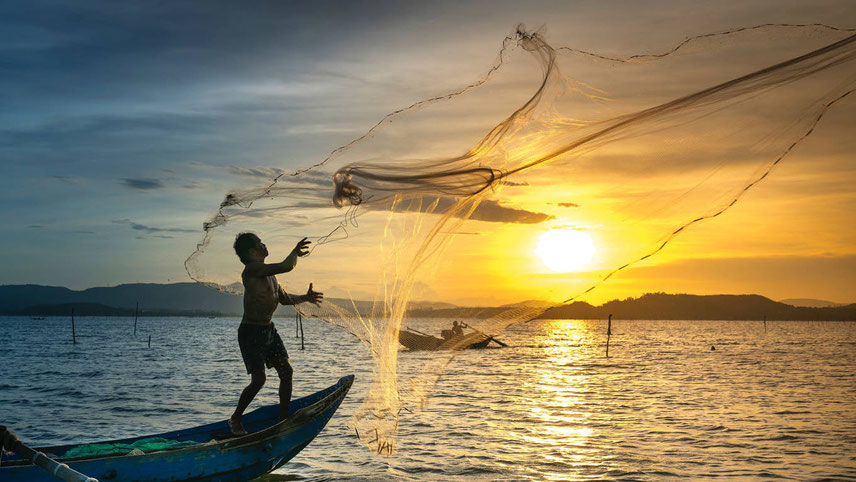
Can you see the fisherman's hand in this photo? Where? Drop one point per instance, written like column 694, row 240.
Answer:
column 302, row 248
column 314, row 297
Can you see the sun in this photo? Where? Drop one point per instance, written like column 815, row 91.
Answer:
column 564, row 250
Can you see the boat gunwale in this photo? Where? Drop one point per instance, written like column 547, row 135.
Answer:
column 296, row 420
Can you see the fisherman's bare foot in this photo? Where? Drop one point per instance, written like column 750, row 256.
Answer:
column 236, row 428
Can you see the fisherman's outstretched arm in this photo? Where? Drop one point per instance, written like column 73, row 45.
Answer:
column 311, row 296
column 286, row 265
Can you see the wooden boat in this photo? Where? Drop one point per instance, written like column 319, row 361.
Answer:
column 269, row 445
column 420, row 341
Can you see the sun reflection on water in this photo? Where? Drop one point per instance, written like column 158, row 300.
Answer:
column 562, row 418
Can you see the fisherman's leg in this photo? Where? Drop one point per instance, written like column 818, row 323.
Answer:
column 285, row 372
column 257, row 380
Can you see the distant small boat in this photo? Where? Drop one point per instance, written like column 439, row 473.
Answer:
column 217, row 455
column 420, row 341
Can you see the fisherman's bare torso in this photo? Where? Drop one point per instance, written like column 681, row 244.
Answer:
column 261, row 297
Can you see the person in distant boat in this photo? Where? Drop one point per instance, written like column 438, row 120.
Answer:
column 260, row 343
column 456, row 330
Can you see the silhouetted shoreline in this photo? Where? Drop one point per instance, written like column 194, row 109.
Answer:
column 195, row 300
column 663, row 306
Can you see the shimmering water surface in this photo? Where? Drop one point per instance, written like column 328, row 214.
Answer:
column 774, row 404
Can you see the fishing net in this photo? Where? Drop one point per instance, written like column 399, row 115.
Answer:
column 150, row 444
column 440, row 200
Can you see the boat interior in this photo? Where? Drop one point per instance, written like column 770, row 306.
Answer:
column 253, row 421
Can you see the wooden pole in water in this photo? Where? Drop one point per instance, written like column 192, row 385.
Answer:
column 150, row 341
column 136, row 312
column 608, row 333
column 300, row 320
column 765, row 323
column 296, row 323
column 73, row 337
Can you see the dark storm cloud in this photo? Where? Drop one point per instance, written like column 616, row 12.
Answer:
column 142, row 184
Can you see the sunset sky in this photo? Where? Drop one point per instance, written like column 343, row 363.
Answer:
column 124, row 125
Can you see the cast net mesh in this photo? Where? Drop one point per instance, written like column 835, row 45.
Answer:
column 632, row 150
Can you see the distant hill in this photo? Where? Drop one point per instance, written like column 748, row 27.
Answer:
column 662, row 306
column 809, row 302
column 530, row 304
column 192, row 299
column 175, row 298
column 458, row 312
column 179, row 299
column 477, row 312
column 430, row 305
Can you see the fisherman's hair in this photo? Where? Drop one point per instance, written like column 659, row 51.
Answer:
column 244, row 242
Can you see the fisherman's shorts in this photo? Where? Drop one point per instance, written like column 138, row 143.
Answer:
column 260, row 346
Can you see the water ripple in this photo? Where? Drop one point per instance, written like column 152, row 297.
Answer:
column 549, row 407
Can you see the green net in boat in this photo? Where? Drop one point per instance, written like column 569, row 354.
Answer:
column 145, row 445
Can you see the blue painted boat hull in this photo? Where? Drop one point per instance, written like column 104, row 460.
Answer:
column 268, row 446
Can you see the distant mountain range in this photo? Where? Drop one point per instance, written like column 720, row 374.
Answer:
column 662, row 306
column 176, row 298
column 192, row 299
column 811, row 303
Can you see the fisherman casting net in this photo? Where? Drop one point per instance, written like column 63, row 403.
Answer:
column 441, row 193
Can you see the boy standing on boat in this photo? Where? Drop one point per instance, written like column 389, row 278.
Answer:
column 260, row 343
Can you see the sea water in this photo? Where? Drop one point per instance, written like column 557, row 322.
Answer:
column 774, row 403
